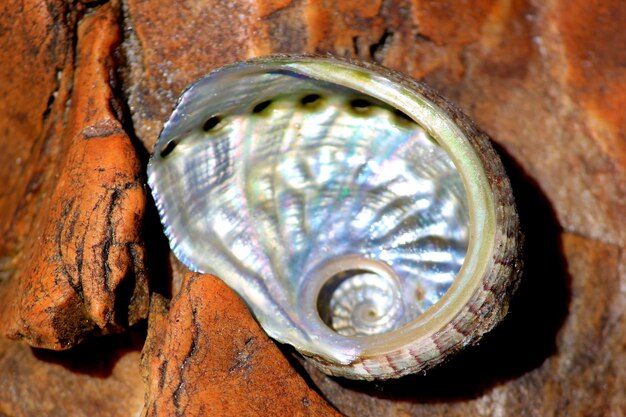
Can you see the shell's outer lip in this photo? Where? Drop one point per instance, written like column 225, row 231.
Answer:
column 396, row 91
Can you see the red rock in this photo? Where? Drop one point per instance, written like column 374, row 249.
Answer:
column 83, row 270
column 207, row 356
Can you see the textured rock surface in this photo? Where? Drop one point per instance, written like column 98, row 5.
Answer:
column 544, row 79
column 79, row 258
column 208, row 357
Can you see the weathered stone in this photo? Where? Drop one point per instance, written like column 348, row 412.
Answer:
column 207, row 356
column 36, row 52
column 83, row 269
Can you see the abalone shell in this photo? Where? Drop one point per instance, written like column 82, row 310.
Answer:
column 363, row 219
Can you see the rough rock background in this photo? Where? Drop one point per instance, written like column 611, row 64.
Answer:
column 84, row 90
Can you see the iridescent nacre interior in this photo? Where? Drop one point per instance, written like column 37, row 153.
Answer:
column 334, row 215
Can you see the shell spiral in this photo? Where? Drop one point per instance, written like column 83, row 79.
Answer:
column 363, row 219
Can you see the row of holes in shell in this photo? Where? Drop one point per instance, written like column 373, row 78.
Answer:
column 360, row 106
